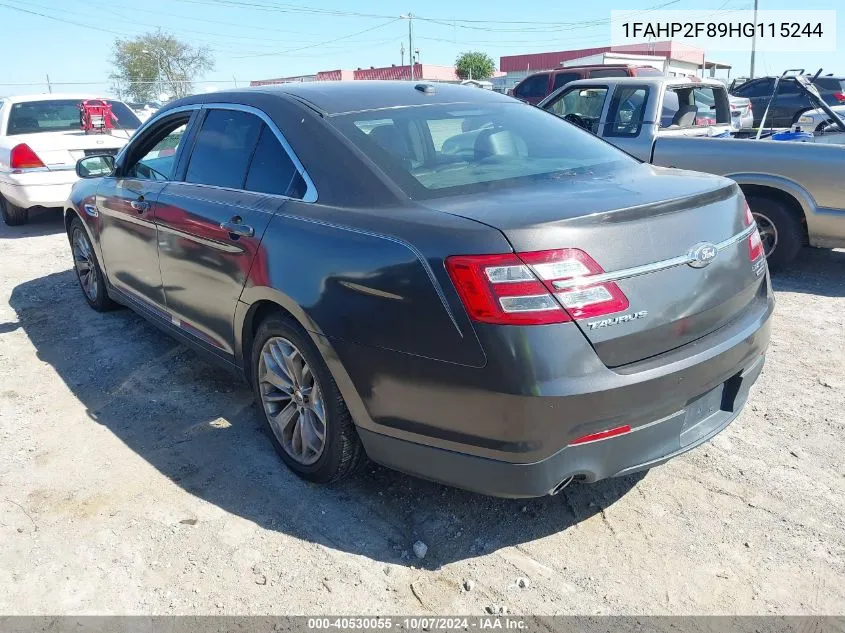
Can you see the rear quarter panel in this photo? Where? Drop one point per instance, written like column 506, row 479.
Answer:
column 373, row 278
column 810, row 173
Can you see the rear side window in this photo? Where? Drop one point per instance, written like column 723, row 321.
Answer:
column 608, row 72
column 533, row 87
column 788, row 88
column 687, row 107
column 831, row 83
column 561, row 79
column 223, row 149
column 271, row 169
column 625, row 117
column 648, row 72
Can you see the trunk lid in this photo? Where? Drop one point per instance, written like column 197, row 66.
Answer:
column 641, row 223
column 62, row 149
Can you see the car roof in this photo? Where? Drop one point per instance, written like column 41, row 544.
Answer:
column 55, row 96
column 651, row 81
column 339, row 97
column 600, row 66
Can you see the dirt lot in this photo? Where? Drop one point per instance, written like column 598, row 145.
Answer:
column 135, row 478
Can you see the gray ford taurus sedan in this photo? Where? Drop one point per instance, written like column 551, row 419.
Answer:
column 446, row 280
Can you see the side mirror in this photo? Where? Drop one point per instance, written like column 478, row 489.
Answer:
column 95, row 166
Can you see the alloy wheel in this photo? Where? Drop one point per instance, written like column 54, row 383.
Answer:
column 768, row 233
column 84, row 262
column 293, row 400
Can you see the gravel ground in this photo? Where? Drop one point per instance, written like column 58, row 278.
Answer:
column 135, row 478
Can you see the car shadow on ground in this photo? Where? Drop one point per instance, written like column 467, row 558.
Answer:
column 42, row 221
column 198, row 426
column 815, row 271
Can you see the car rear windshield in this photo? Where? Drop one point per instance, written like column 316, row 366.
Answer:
column 60, row 115
column 442, row 150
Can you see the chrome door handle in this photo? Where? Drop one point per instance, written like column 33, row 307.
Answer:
column 235, row 228
column 140, row 205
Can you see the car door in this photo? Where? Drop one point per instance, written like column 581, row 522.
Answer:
column 625, row 119
column 127, row 202
column 211, row 222
column 790, row 99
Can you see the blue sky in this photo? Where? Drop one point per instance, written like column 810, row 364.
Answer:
column 254, row 39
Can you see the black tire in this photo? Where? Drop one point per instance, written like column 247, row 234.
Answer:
column 13, row 215
column 789, row 230
column 98, row 299
column 342, row 452
column 798, row 115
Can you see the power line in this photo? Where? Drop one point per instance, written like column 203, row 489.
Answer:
column 52, row 17
column 334, row 39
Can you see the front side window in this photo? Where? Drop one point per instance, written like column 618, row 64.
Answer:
column 223, row 149
column 60, row 115
column 582, row 105
column 441, row 150
column 155, row 158
column 759, row 88
column 534, row 87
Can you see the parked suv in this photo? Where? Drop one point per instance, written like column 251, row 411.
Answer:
column 534, row 88
column 791, row 102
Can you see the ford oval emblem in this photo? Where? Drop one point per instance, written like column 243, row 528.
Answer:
column 702, row 254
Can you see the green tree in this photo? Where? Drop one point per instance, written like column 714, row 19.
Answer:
column 157, row 63
column 475, row 65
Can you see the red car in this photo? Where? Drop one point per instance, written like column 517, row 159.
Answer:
column 534, row 88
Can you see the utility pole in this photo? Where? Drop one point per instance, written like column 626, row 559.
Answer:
column 410, row 17
column 49, row 85
column 754, row 40
column 402, row 53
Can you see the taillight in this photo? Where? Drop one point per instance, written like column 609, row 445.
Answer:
column 755, row 244
column 22, row 157
column 839, row 96
column 502, row 289
column 533, row 288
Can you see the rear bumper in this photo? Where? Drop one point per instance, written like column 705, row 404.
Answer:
column 646, row 446
column 43, row 188
column 508, row 428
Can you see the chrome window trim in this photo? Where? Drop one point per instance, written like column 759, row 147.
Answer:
column 310, row 189
column 645, row 269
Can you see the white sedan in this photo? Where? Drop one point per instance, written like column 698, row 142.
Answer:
column 40, row 142
column 817, row 120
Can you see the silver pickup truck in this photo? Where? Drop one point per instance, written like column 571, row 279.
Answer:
column 796, row 191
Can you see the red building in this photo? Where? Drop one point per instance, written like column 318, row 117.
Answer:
column 547, row 61
column 427, row 72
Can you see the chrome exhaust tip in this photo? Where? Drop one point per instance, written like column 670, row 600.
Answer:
column 563, row 484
